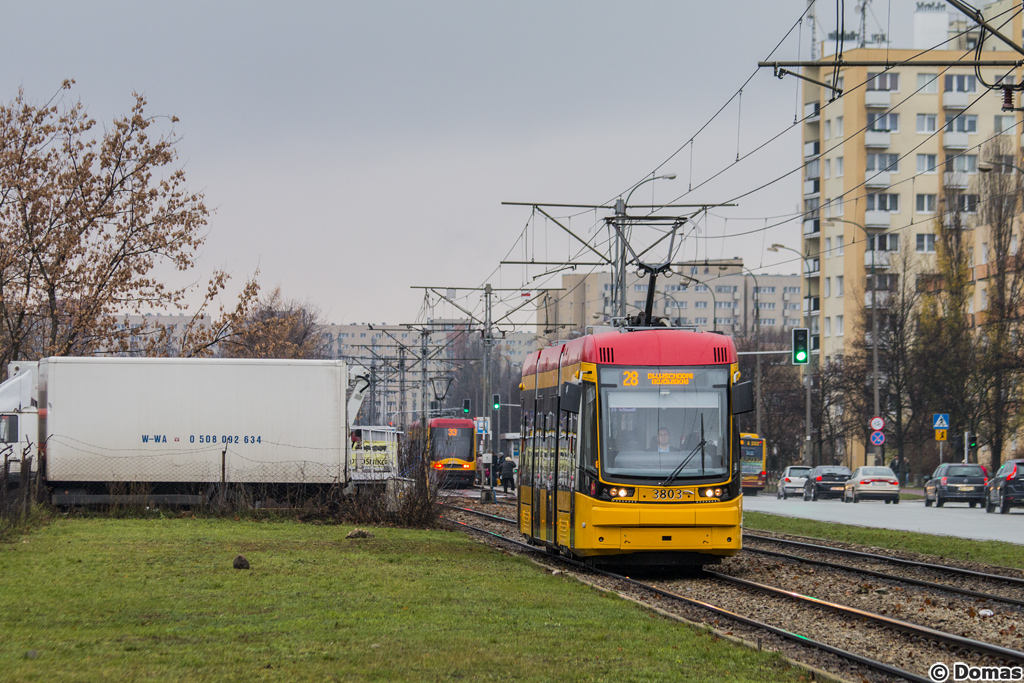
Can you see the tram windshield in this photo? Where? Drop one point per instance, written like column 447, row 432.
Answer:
column 652, row 420
column 451, row 442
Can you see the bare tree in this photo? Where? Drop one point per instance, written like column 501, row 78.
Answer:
column 278, row 329
column 87, row 218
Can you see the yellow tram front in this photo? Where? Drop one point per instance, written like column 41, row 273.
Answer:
column 634, row 459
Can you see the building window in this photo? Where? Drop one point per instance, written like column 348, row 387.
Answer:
column 1005, row 124
column 700, row 321
column 925, row 243
column 963, row 123
column 927, row 163
column 672, row 303
column 828, row 327
column 791, row 306
column 828, row 129
column 790, row 290
column 961, row 83
column 639, row 288
column 766, row 305
column 828, row 247
column 925, row 203
column 723, row 304
column 770, row 322
column 983, row 257
column 700, row 288
column 966, row 203
column 828, row 168
column 765, row 290
column 888, row 241
column 839, row 326
column 700, row 304
column 926, row 123
column 884, row 123
column 888, row 81
column 675, row 288
column 883, row 202
column 723, row 321
column 725, row 289
column 884, row 162
column 828, row 287
column 839, row 124
column 839, row 285
column 927, row 84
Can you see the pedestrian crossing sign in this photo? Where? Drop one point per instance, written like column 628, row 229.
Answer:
column 940, row 420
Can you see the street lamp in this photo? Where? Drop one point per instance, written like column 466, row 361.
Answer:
column 874, row 318
column 757, row 347
column 808, row 375
column 620, row 222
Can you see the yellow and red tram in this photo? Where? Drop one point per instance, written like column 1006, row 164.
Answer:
column 451, row 448
column 630, row 448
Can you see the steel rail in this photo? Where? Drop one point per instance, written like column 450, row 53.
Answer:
column 913, row 629
column 788, row 635
column 890, row 577
column 894, row 560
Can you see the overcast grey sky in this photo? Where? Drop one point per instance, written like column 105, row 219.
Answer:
column 353, row 149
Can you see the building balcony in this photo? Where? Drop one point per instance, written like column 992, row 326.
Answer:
column 812, row 112
column 955, row 140
column 877, row 98
column 877, row 219
column 812, row 187
column 877, row 139
column 956, row 100
column 815, row 342
column 812, row 227
column 956, row 181
column 812, row 149
column 876, row 179
column 812, row 268
column 878, row 259
column 881, row 298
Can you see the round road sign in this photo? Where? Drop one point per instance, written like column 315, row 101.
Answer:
column 877, row 423
column 877, row 438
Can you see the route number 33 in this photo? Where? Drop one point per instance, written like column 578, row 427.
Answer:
column 630, row 378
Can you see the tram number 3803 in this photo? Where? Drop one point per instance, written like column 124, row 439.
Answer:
column 669, row 494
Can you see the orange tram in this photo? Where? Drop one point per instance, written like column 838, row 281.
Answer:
column 451, row 449
column 630, row 450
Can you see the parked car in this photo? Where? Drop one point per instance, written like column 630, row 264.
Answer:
column 872, row 483
column 954, row 482
column 1006, row 488
column 792, row 481
column 826, row 481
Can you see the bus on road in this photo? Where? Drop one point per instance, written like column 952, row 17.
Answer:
column 752, row 459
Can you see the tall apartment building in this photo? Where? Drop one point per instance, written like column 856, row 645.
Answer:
column 880, row 159
column 715, row 295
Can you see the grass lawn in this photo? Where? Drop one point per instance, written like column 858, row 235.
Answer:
column 158, row 600
column 991, row 552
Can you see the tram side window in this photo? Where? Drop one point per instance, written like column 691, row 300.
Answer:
column 8, row 429
column 588, row 428
column 526, row 461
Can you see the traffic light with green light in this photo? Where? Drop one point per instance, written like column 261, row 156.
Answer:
column 496, row 401
column 465, row 406
column 972, row 440
column 801, row 346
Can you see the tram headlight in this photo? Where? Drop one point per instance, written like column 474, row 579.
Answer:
column 711, row 493
column 621, row 493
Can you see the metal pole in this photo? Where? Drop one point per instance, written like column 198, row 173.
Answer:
column 424, row 404
column 966, row 446
column 620, row 272
column 874, row 343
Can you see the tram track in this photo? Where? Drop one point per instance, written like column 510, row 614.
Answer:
column 881, row 643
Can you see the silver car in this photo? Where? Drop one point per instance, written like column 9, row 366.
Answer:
column 791, row 483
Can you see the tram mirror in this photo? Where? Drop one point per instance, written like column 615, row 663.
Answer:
column 571, row 395
column 742, row 398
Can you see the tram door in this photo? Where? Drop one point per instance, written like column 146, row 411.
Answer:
column 551, row 479
column 536, row 457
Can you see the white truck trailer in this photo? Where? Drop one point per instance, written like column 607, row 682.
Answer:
column 179, row 427
column 19, row 413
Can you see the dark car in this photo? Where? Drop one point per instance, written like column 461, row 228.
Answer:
column 826, row 481
column 1006, row 488
column 954, row 482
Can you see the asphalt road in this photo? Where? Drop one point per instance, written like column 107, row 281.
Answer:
column 953, row 519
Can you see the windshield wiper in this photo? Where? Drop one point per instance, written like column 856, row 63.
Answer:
column 676, row 471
